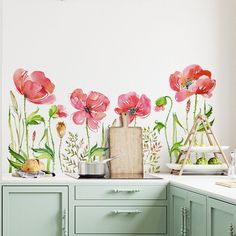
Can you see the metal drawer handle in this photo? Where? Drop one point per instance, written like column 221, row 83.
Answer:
column 126, row 212
column 64, row 220
column 126, row 190
column 231, row 230
column 184, row 221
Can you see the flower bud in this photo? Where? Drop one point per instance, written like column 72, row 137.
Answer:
column 61, row 129
column 33, row 136
column 188, row 105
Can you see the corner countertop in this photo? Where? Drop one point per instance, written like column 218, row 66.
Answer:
column 202, row 184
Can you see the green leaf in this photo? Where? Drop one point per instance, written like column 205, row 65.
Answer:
column 50, row 150
column 176, row 120
column 93, row 148
column 14, row 102
column 208, row 112
column 16, row 165
column 34, row 118
column 17, row 156
column 45, row 135
column 33, row 113
column 103, row 136
column 162, row 101
column 201, row 127
column 43, row 153
column 159, row 126
column 23, row 154
column 176, row 146
column 52, row 111
column 98, row 151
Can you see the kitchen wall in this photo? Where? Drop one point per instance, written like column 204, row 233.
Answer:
column 117, row 46
column 1, row 26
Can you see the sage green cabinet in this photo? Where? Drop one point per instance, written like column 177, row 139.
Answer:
column 120, row 208
column 221, row 218
column 187, row 213
column 178, row 204
column 197, row 211
column 35, row 210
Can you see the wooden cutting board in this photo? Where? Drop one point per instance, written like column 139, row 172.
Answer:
column 126, row 142
column 229, row 183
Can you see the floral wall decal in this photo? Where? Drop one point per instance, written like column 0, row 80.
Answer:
column 37, row 89
column 91, row 110
column 151, row 150
column 133, row 104
column 193, row 81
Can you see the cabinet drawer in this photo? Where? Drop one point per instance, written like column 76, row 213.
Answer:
column 136, row 220
column 120, row 192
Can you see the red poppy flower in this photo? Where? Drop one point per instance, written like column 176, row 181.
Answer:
column 36, row 88
column 185, row 83
column 135, row 106
column 205, row 86
column 90, row 108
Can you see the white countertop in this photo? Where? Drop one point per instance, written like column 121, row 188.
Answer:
column 199, row 183
column 204, row 184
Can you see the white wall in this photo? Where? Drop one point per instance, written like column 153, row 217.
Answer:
column 1, row 26
column 115, row 46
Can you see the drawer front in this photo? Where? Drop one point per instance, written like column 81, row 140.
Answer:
column 121, row 192
column 119, row 220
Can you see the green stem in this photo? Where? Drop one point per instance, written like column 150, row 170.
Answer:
column 173, row 135
column 88, row 138
column 52, row 141
column 50, row 131
column 19, row 125
column 167, row 118
column 26, row 130
column 135, row 121
column 187, row 122
column 48, row 164
column 174, row 138
column 195, row 117
column 59, row 154
column 195, row 108
column 11, row 136
column 22, row 136
column 17, row 133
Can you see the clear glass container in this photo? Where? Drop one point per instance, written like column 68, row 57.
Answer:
column 232, row 166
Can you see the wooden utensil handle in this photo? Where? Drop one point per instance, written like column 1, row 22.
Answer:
column 125, row 119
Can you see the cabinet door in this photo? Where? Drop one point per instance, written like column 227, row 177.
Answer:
column 197, row 214
column 221, row 218
column 35, row 210
column 178, row 201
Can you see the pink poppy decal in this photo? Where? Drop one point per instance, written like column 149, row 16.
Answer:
column 61, row 111
column 36, row 87
column 187, row 83
column 135, row 106
column 159, row 108
column 90, row 108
